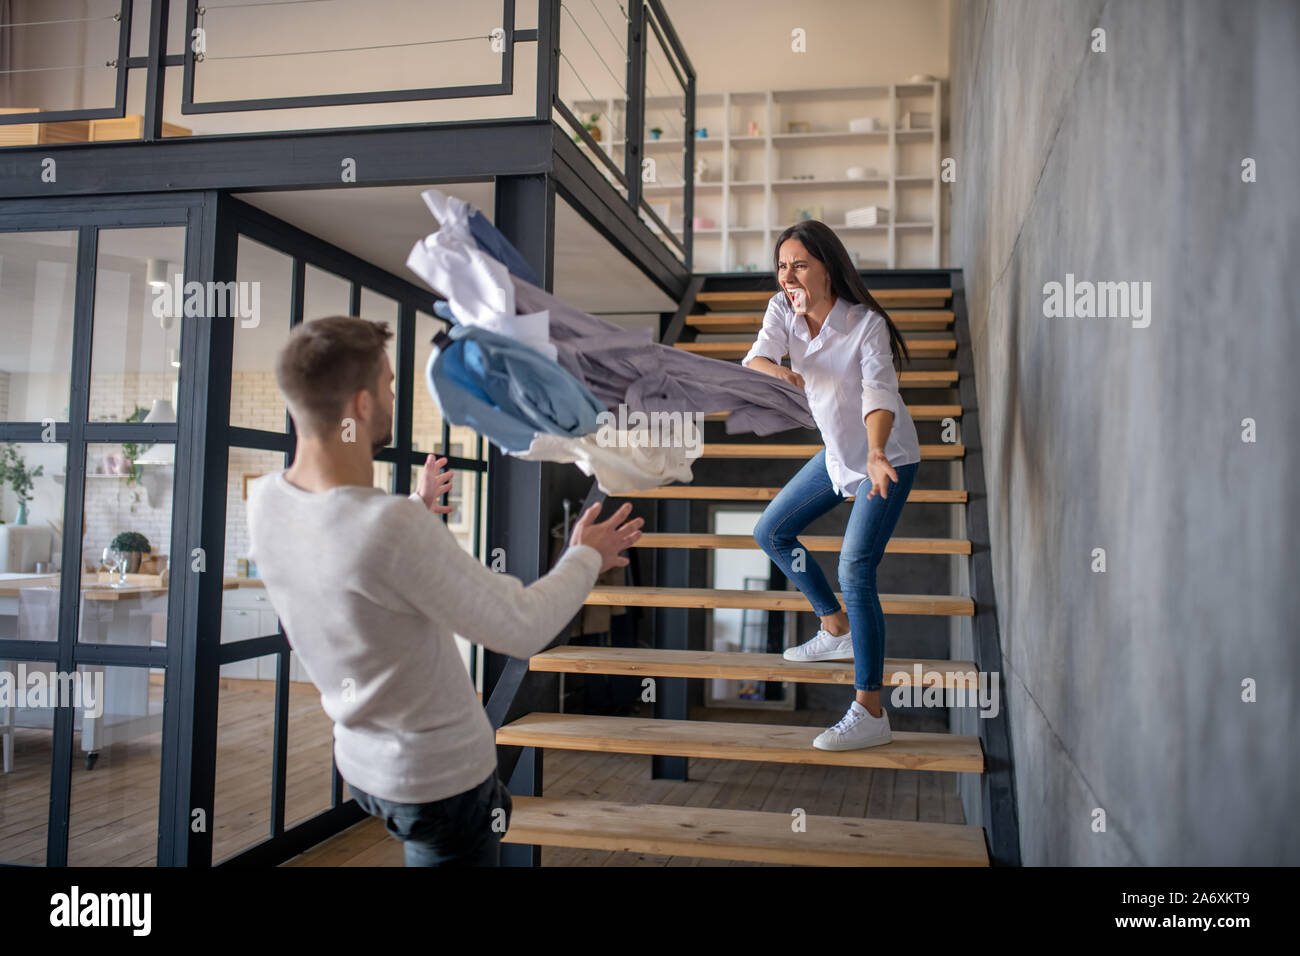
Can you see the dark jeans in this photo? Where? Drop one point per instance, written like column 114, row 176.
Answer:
column 808, row 496
column 462, row 830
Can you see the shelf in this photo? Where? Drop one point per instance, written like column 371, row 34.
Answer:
column 913, row 180
column 868, row 229
column 664, row 141
column 833, row 183
column 829, row 138
column 913, row 226
column 913, row 135
column 916, row 89
column 840, row 93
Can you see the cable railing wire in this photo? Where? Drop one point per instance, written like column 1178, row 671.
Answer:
column 594, row 98
column 617, row 41
column 612, row 76
column 46, row 23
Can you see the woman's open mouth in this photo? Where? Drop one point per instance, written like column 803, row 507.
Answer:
column 798, row 298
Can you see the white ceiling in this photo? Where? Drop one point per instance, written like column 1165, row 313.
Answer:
column 381, row 223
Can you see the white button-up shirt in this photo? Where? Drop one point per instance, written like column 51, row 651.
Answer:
column 848, row 372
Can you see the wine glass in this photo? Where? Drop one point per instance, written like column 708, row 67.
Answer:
column 118, row 559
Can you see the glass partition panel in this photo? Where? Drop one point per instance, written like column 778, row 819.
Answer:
column 31, row 539
column 325, row 294
column 125, row 544
column 140, row 301
column 26, row 757
column 241, row 801
column 426, row 427
column 267, row 275
column 117, row 748
column 38, row 273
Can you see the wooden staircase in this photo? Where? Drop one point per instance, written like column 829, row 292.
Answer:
column 750, row 835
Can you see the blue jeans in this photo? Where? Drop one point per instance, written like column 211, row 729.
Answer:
column 808, row 496
column 456, row 831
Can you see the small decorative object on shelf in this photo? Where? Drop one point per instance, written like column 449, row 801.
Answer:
column 134, row 546
column 802, row 213
column 797, row 126
column 915, row 120
column 655, row 132
column 590, row 125
column 864, row 124
column 701, row 170
column 15, row 473
column 753, row 128
column 921, row 78
column 866, row 216
column 702, row 133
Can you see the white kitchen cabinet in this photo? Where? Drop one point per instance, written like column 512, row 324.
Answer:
column 247, row 613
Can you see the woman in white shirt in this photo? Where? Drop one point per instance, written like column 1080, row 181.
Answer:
column 844, row 352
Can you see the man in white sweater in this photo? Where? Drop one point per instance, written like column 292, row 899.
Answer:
column 371, row 587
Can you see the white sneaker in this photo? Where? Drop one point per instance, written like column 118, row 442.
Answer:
column 855, row 730
column 823, row 647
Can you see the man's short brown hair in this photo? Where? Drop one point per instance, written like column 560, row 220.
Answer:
column 326, row 362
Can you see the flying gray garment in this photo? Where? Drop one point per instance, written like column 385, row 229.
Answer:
column 630, row 367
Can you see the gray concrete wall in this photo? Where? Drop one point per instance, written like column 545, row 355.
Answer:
column 1125, row 687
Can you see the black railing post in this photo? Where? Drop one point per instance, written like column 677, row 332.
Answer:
column 156, row 72
column 633, row 144
column 688, row 195
column 548, row 55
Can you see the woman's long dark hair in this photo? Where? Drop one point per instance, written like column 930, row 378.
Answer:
column 824, row 246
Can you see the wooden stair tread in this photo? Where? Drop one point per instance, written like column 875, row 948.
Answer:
column 917, row 348
column 935, row 378
column 813, row 542
column 943, row 496
column 771, row 743
column 924, row 320
column 765, row 450
column 735, row 665
column 919, row 413
column 947, row 605
column 910, row 298
column 750, row 835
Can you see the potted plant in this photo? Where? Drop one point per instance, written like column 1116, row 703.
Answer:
column 592, row 127
column 131, row 450
column 134, row 545
column 655, row 132
column 14, row 473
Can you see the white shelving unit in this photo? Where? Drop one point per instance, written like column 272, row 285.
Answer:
column 750, row 189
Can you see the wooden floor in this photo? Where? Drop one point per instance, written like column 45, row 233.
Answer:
column 114, row 818
column 733, row 784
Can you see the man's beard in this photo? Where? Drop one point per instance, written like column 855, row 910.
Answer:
column 383, row 441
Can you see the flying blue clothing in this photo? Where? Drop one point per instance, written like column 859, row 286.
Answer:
column 505, row 390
